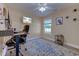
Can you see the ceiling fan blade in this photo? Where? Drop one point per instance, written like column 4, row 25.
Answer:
column 36, row 8
column 49, row 8
column 42, row 4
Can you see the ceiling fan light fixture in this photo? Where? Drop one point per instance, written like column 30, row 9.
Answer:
column 42, row 9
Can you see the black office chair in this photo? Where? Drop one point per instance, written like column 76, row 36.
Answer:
column 22, row 39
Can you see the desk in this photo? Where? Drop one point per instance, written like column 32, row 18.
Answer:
column 3, row 34
column 6, row 33
column 11, row 33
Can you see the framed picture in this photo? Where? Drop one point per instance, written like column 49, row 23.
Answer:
column 59, row 20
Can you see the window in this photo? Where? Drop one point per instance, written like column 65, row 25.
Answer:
column 47, row 26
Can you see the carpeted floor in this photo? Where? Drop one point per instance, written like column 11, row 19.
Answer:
column 41, row 47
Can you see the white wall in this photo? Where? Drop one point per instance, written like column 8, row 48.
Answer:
column 70, row 28
column 35, row 26
column 15, row 18
column 16, row 21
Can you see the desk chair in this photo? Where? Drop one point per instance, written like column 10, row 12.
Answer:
column 22, row 39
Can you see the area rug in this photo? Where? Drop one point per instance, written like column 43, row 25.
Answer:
column 42, row 47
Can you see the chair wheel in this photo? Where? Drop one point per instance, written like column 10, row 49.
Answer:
column 25, row 49
column 10, row 52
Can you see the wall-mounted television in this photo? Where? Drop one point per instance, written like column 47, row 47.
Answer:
column 27, row 19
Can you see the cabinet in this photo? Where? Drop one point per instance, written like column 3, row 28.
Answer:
column 59, row 39
column 4, row 18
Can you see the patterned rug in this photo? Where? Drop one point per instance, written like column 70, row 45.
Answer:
column 41, row 47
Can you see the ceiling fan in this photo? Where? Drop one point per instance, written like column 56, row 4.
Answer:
column 42, row 7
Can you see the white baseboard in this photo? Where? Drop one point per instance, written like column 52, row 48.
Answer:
column 49, row 38
column 68, row 44
column 72, row 45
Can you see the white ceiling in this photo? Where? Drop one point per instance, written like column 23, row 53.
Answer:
column 30, row 8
